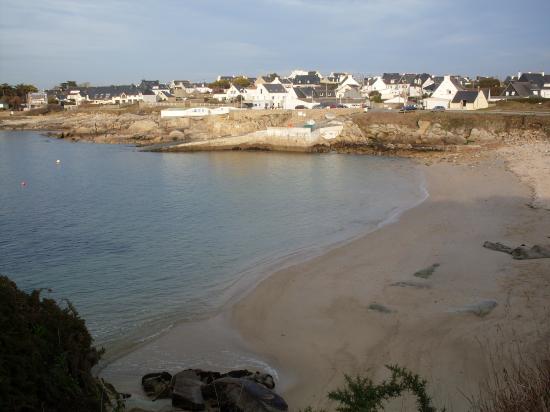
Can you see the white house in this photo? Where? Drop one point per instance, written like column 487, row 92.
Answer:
column 36, row 99
column 469, row 100
column 266, row 96
column 444, row 93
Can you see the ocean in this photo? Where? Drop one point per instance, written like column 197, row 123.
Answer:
column 139, row 242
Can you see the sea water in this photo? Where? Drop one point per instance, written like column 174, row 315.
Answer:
column 140, row 241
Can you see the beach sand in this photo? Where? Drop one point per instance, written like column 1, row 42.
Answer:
column 346, row 312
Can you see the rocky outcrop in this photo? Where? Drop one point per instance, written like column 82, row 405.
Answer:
column 521, row 252
column 198, row 390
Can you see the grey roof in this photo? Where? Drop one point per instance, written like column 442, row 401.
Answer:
column 107, row 92
column 148, row 84
column 391, row 78
column 274, row 88
column 537, row 79
column 307, row 79
column 469, row 96
column 523, row 89
column 305, row 92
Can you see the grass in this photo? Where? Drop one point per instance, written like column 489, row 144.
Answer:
column 522, row 386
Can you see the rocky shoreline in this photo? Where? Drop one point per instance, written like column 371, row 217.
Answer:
column 370, row 133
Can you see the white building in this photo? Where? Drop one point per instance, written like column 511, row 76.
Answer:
column 444, row 93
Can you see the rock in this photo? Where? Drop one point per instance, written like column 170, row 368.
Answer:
column 428, row 272
column 521, row 252
column 243, row 395
column 535, row 252
column 480, row 309
column 379, row 308
column 187, row 391
column 142, row 126
column 157, row 385
column 411, row 284
column 499, row 247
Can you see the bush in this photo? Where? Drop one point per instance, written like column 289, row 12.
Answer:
column 46, row 355
column 362, row 395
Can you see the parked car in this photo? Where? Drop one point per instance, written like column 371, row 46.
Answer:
column 438, row 109
column 406, row 109
column 300, row 107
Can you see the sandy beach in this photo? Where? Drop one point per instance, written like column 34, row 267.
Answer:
column 360, row 306
column 421, row 292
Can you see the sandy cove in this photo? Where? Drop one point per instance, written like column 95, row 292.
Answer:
column 316, row 321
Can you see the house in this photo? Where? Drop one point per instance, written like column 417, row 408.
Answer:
column 312, row 78
column 266, row 96
column 444, row 93
column 517, row 89
column 148, row 96
column 125, row 94
column 234, row 92
column 37, row 99
column 469, row 100
column 348, row 91
column 179, row 84
column 528, row 85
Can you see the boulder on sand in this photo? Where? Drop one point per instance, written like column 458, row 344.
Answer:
column 157, row 385
column 244, row 395
column 186, row 391
column 521, row 252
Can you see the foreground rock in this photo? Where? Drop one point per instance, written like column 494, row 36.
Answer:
column 198, row 390
column 521, row 252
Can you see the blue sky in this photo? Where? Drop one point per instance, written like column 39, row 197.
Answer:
column 122, row 41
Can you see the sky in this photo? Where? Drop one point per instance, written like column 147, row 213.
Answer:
column 45, row 42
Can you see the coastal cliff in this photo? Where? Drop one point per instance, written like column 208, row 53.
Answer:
column 372, row 132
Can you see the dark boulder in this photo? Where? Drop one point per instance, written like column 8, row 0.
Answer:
column 242, row 394
column 186, row 391
column 157, row 385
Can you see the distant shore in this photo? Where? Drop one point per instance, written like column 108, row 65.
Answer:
column 376, row 132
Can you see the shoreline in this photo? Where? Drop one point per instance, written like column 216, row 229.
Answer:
column 247, row 325
column 314, row 318
column 208, row 326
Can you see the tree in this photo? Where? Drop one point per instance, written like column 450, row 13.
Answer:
column 375, row 97
column 490, row 83
column 220, row 85
column 241, row 82
column 69, row 84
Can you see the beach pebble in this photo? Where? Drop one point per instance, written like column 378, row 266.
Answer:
column 480, row 309
column 379, row 308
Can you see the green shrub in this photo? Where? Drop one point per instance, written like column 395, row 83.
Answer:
column 46, row 355
column 361, row 395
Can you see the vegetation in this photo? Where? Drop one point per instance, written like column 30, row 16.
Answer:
column 521, row 386
column 46, row 355
column 490, row 83
column 16, row 95
column 220, row 85
column 362, row 395
column 241, row 82
column 375, row 97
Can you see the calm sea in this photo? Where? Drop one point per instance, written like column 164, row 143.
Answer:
column 138, row 241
